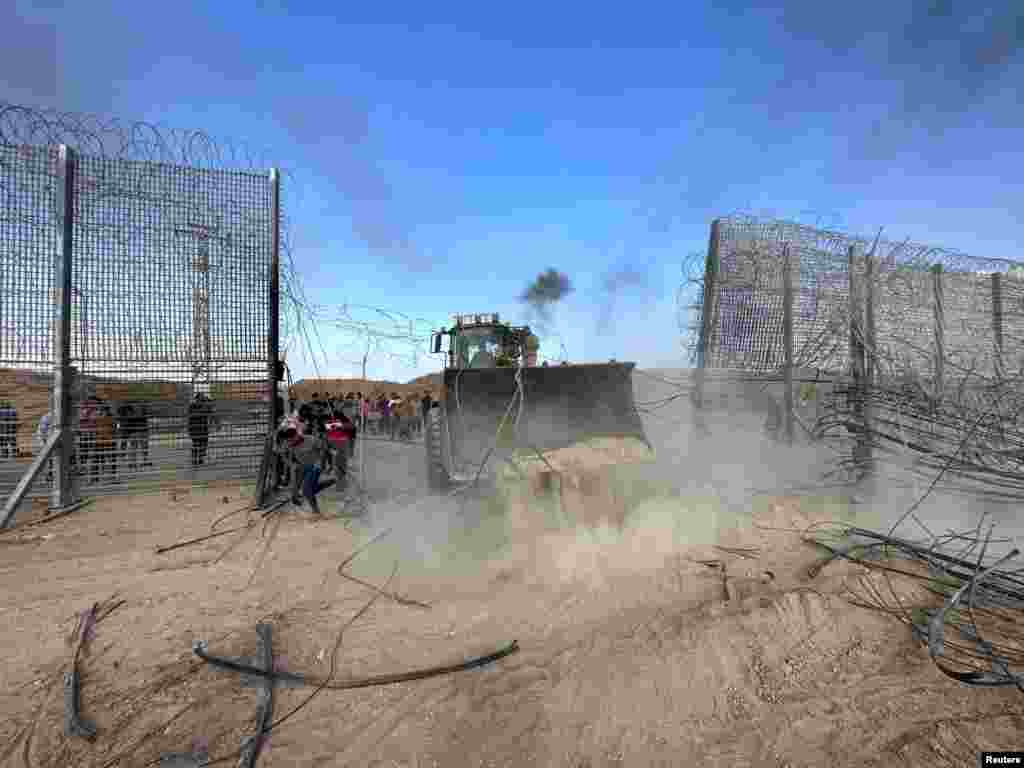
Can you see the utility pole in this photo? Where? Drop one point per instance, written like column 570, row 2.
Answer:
column 201, row 347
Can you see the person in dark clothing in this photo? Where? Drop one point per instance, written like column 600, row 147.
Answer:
column 308, row 454
column 87, row 412
column 341, row 438
column 425, row 403
column 384, row 406
column 281, row 463
column 124, row 430
column 141, row 432
column 394, row 417
column 8, row 431
column 199, row 413
column 105, row 452
column 133, row 429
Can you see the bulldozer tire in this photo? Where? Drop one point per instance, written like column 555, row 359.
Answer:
column 438, row 475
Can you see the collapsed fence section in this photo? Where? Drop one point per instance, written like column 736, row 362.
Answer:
column 869, row 314
column 145, row 294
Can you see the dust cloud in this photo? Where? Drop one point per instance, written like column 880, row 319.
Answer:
column 702, row 485
column 695, row 487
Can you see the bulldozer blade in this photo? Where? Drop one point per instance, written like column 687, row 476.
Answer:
column 560, row 406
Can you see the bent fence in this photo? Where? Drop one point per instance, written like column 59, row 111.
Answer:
column 127, row 288
column 870, row 315
column 920, row 308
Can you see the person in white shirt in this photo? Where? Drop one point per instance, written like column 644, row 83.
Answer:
column 41, row 436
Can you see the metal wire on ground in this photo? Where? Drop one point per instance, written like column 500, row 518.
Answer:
column 969, row 613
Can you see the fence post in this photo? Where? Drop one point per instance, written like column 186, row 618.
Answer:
column 706, row 323
column 870, row 337
column 862, row 446
column 63, row 491
column 787, row 337
column 274, row 330
column 870, row 352
column 938, row 332
column 997, row 324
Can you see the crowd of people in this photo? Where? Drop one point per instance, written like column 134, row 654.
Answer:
column 107, row 437
column 8, row 430
column 387, row 415
column 113, row 437
column 315, row 439
column 318, row 437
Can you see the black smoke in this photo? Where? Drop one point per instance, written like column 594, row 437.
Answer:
column 544, row 291
column 616, row 286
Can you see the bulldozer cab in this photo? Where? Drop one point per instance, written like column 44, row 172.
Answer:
column 477, row 347
column 486, row 345
column 496, row 402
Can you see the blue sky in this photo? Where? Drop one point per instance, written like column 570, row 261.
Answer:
column 441, row 157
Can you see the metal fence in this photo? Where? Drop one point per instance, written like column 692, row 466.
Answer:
column 920, row 309
column 915, row 346
column 127, row 289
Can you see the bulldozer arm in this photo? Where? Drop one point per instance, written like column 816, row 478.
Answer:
column 559, row 406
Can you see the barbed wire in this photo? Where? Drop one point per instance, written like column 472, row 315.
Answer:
column 689, row 305
column 922, row 346
column 112, row 137
column 144, row 142
column 370, row 332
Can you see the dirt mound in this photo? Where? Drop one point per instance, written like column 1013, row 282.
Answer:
column 645, row 646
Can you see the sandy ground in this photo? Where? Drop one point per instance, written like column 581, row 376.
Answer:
column 631, row 652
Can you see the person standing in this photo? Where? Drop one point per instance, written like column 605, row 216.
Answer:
column 405, row 418
column 341, row 436
column 425, row 403
column 125, row 427
column 199, row 428
column 87, row 433
column 390, row 427
column 8, row 430
column 105, row 448
column 142, row 432
column 385, row 414
column 41, row 436
column 136, row 435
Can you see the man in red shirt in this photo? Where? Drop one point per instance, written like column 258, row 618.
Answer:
column 341, row 436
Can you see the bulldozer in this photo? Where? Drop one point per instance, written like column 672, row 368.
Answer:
column 534, row 429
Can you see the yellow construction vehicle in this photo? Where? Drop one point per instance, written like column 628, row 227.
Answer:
column 500, row 409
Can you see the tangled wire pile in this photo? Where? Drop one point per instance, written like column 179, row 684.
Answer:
column 967, row 609
column 973, row 435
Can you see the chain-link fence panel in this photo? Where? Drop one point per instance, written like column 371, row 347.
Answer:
column 170, row 318
column 914, row 303
column 746, row 295
column 1013, row 322
column 924, row 347
column 28, row 245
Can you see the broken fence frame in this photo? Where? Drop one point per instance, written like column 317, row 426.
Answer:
column 22, row 489
column 60, row 445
